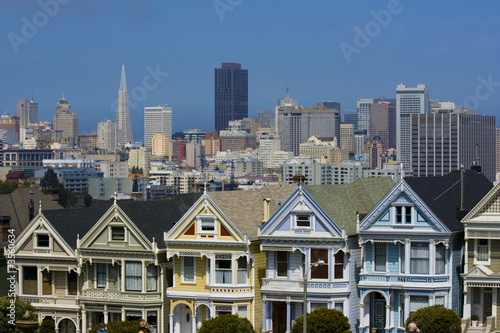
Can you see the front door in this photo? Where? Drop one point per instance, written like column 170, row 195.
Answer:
column 487, row 301
column 182, row 319
column 279, row 317
column 378, row 312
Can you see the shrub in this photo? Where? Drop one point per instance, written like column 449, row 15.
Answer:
column 47, row 326
column 323, row 320
column 226, row 323
column 127, row 326
column 434, row 319
column 20, row 309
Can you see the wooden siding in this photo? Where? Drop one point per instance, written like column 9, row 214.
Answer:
column 259, row 272
column 355, row 265
column 60, row 279
column 456, row 263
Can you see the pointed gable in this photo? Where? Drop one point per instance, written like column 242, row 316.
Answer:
column 402, row 210
column 488, row 208
column 300, row 215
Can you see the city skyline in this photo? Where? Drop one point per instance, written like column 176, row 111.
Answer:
column 453, row 49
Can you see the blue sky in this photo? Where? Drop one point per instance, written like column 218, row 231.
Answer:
column 79, row 47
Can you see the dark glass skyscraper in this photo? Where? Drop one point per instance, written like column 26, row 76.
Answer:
column 231, row 94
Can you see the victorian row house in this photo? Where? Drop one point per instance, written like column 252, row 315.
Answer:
column 373, row 249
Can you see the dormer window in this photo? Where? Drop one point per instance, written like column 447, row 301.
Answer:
column 206, row 224
column 43, row 240
column 403, row 213
column 118, row 233
column 303, row 220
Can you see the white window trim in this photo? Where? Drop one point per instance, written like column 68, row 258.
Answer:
column 201, row 217
column 46, row 233
column 110, row 233
column 478, row 262
column 95, row 277
column 194, row 271
column 311, row 220
column 404, row 207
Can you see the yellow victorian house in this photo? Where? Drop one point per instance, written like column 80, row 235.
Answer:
column 217, row 262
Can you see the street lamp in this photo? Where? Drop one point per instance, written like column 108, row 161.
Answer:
column 306, row 272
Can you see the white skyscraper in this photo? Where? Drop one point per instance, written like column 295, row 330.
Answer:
column 106, row 132
column 123, row 123
column 409, row 100
column 27, row 111
column 363, row 106
column 157, row 120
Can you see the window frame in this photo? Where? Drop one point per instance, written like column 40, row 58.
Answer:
column 99, row 274
column 303, row 218
column 183, row 270
column 241, row 270
column 203, row 220
column 70, row 282
column 225, row 258
column 317, row 272
column 129, row 277
column 118, row 237
column 149, row 269
column 48, row 240
column 338, row 265
column 377, row 254
column 280, row 262
column 442, row 261
column 412, row 259
column 25, row 271
column 476, row 252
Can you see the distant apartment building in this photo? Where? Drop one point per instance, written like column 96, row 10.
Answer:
column 27, row 157
column 141, row 158
column 27, row 111
column 337, row 156
column 73, row 179
column 157, row 120
column 161, row 145
column 106, row 135
column 350, row 118
column 10, row 123
column 363, row 107
column 347, row 137
column 317, row 147
column 266, row 118
column 321, row 174
column 268, row 144
column 231, row 94
column 211, row 141
column 88, row 140
column 194, row 152
column 66, row 121
column 113, row 169
column 409, row 100
column 107, row 188
column 236, row 141
column 68, row 163
column 441, row 142
column 376, row 151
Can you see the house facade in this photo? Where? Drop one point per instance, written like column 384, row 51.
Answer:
column 412, row 249
column 481, row 280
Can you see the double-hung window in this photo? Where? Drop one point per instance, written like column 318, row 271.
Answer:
column 72, row 283
column 133, row 276
column 482, row 251
column 188, row 269
column 339, row 265
column 440, row 259
column 30, row 280
column 282, row 263
column 319, row 272
column 223, row 269
column 152, row 277
column 242, row 270
column 419, row 258
column 101, row 275
column 380, row 257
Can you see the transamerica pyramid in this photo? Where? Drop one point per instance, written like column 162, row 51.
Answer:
column 123, row 123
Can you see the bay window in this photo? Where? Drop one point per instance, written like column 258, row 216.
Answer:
column 30, row 280
column 380, row 257
column 319, row 272
column 223, row 269
column 133, row 276
column 440, row 258
column 152, row 277
column 72, row 283
column 339, row 265
column 101, row 275
column 282, row 263
column 482, row 251
column 419, row 258
column 188, row 269
column 242, row 270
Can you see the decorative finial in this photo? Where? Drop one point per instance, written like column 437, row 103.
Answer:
column 115, row 198
column 205, row 187
column 40, row 206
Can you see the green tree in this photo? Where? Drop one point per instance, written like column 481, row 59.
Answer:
column 226, row 323
column 6, row 188
column 87, row 200
column 47, row 326
column 323, row 320
column 63, row 196
column 19, row 309
column 49, row 181
column 127, row 326
column 434, row 319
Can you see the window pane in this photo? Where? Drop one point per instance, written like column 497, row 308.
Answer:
column 380, row 257
column 440, row 250
column 417, row 302
column 133, row 276
column 419, row 258
column 151, row 277
column 47, row 283
column 207, row 224
column 402, row 256
column 118, row 233
column 483, row 250
column 319, row 272
column 339, row 265
column 282, row 263
column 72, row 283
column 223, row 271
column 42, row 240
column 188, row 269
column 303, row 220
column 101, row 275
column 399, row 214
column 30, row 280
column 243, row 311
column 242, row 270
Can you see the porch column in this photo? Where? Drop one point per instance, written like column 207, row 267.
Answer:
column 362, row 315
column 264, row 315
column 171, row 323
column 387, row 316
column 193, row 320
column 105, row 312
column 467, row 307
column 407, row 306
column 288, row 315
column 84, row 321
column 123, row 314
column 494, row 305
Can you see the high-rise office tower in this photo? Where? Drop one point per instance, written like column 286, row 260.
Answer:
column 363, row 106
column 231, row 94
column 157, row 120
column 440, row 142
column 27, row 111
column 106, row 135
column 347, row 137
column 298, row 125
column 123, row 123
column 409, row 100
column 383, row 122
column 66, row 121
